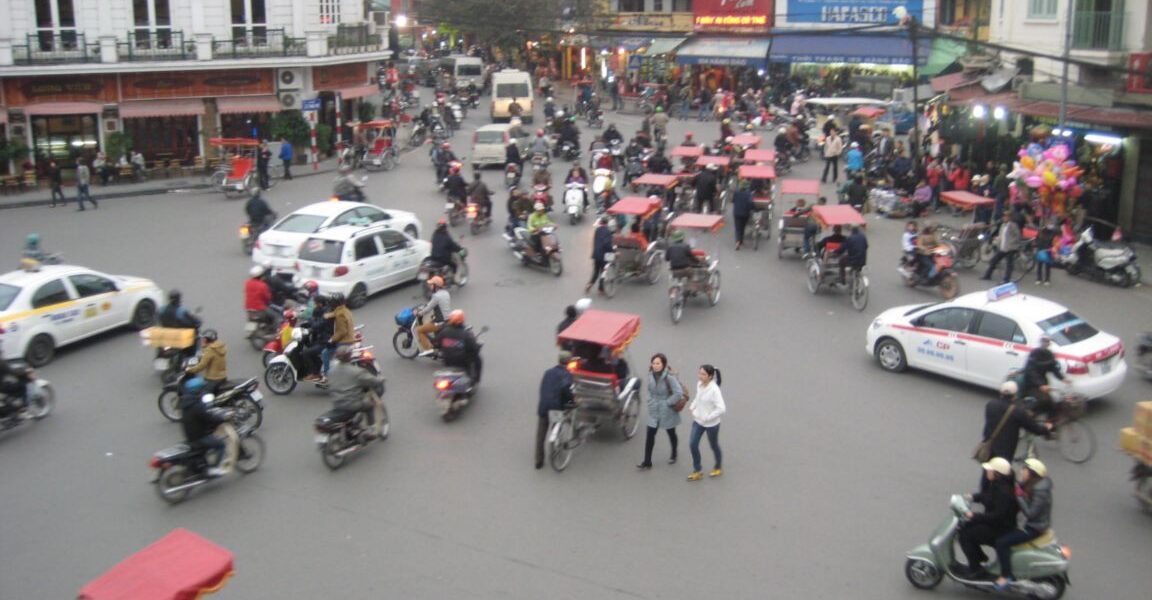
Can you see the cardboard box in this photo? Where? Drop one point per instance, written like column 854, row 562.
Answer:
column 1142, row 419
column 1130, row 440
column 168, row 337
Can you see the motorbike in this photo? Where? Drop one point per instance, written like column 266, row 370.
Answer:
column 540, row 161
column 244, row 397
column 454, row 211
column 38, row 402
column 511, row 175
column 520, row 243
column 259, row 329
column 477, row 221
column 1040, row 566
column 1144, row 355
column 633, row 168
column 595, row 119
column 540, row 193
column 249, row 234
column 419, row 135
column 1111, row 262
column 569, row 151
column 454, row 388
column 430, row 268
column 344, row 429
column 181, row 468
column 291, row 367
column 575, row 195
column 944, row 278
column 616, row 147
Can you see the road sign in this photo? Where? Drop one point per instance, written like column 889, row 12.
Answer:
column 311, row 105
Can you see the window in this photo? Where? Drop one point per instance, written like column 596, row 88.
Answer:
column 512, row 90
column 91, row 285
column 948, row 319
column 301, row 224
column 371, row 215
column 681, row 5
column 393, row 240
column 366, row 247
column 631, row 5
column 490, row 137
column 1066, row 328
column 999, row 328
column 8, row 293
column 352, row 217
column 56, row 25
column 657, row 5
column 50, row 293
column 469, row 71
column 325, row 251
column 249, row 22
column 329, row 12
column 153, row 24
column 1043, row 9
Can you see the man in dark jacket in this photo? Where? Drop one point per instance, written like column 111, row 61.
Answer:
column 601, row 245
column 659, row 163
column 706, row 185
column 998, row 496
column 259, row 213
column 263, row 160
column 742, row 207
column 855, row 252
column 444, row 248
column 555, row 394
column 199, row 422
column 1041, row 362
column 856, row 193
column 1004, row 443
column 679, row 253
column 458, row 346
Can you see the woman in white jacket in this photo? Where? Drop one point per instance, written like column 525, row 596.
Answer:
column 706, row 408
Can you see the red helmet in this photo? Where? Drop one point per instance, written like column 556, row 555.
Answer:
column 688, row 135
column 290, row 316
column 454, row 168
column 446, row 145
column 539, row 132
column 311, row 286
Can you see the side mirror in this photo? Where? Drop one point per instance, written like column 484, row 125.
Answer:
column 484, row 329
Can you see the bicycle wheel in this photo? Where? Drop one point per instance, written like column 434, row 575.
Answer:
column 560, row 446
column 1077, row 442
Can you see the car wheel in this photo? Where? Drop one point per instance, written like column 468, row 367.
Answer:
column 144, row 316
column 891, row 356
column 358, row 296
column 40, row 351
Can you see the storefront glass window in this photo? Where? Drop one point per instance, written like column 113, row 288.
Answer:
column 164, row 138
column 631, row 5
column 245, row 125
column 64, row 138
column 681, row 5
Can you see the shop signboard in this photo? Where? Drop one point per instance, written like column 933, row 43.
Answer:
column 737, row 16
column 196, row 84
column 1140, row 73
column 312, row 104
column 851, row 12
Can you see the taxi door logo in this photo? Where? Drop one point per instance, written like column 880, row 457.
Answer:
column 936, row 349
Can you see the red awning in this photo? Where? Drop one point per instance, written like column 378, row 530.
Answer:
column 610, row 329
column 1094, row 115
column 757, row 155
column 64, row 108
column 687, row 151
column 757, row 172
column 656, row 179
column 180, row 566
column 837, row 214
column 161, row 108
column 803, row 187
column 635, row 205
column 699, row 221
column 955, row 80
column 359, row 92
column 248, row 104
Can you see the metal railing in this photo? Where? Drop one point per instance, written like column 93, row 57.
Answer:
column 47, row 47
column 156, row 44
column 354, row 39
column 259, row 42
column 1098, row 30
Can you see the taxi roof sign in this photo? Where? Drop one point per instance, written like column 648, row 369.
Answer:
column 1000, row 292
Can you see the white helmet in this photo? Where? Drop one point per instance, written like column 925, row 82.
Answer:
column 538, row 206
column 582, row 305
column 256, row 271
column 782, row 130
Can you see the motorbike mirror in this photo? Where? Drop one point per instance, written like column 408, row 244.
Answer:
column 198, row 310
column 484, row 329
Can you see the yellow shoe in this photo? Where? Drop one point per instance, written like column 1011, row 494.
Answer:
column 716, row 473
column 695, row 476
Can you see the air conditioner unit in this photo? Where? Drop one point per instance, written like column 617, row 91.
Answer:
column 289, row 79
column 290, row 100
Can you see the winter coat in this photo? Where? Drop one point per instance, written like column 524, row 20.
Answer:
column 213, row 365
column 602, row 242
column 708, row 405
column 1036, row 506
column 1009, row 237
column 1004, row 444
column 663, row 392
column 999, row 505
column 833, row 146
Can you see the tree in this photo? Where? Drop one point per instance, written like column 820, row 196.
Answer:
column 116, row 144
column 291, row 125
column 507, row 24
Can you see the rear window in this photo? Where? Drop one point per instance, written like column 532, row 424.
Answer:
column 8, row 293
column 1066, row 328
column 512, row 90
column 468, row 70
column 489, row 137
column 300, row 224
column 325, row 251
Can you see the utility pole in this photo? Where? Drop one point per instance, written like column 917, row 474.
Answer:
column 1067, row 53
column 914, row 150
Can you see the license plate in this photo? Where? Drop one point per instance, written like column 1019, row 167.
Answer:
column 250, row 326
column 257, row 396
column 315, row 271
column 321, row 438
column 609, row 256
column 160, row 364
column 422, row 275
column 1105, row 367
column 449, row 206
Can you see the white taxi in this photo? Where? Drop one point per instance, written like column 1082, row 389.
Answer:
column 280, row 244
column 46, row 308
column 360, row 261
column 983, row 336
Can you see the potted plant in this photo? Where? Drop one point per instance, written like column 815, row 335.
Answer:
column 116, row 145
column 292, row 126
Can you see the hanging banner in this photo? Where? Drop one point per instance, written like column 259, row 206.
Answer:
column 742, row 16
column 851, row 12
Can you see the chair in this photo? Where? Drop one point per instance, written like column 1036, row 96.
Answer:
column 11, row 184
column 30, row 180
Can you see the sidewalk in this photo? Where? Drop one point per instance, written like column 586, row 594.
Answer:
column 150, row 187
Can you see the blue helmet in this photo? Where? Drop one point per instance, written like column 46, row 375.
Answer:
column 32, row 240
column 194, row 385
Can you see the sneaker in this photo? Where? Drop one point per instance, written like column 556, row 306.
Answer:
column 672, row 460
column 311, row 378
column 1047, row 283
column 215, row 472
column 695, row 476
column 426, row 353
column 716, row 472
column 1038, row 282
column 644, row 466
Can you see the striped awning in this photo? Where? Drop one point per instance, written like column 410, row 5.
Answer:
column 161, row 108
column 64, row 108
column 248, row 104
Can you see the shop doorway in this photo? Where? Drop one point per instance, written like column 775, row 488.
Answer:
column 165, row 138
column 64, row 138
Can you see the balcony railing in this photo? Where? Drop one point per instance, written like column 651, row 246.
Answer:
column 156, row 44
column 259, row 42
column 48, row 47
column 354, row 39
column 1098, row 30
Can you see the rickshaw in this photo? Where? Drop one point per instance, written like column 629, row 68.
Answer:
column 825, row 267
column 236, row 174
column 701, row 280
column 688, row 155
column 791, row 236
column 635, row 254
column 660, row 185
column 603, row 389
column 761, row 179
column 178, row 566
column 756, row 156
column 379, row 148
column 723, row 174
column 742, row 143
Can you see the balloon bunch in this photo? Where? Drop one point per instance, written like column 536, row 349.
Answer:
column 1050, row 174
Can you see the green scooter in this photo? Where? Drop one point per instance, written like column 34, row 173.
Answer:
column 1040, row 566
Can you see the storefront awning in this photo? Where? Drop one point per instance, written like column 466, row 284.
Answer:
column 944, row 53
column 162, row 108
column 629, row 43
column 721, row 51
column 890, row 49
column 359, row 92
column 64, row 108
column 664, row 45
column 1121, row 118
column 247, row 104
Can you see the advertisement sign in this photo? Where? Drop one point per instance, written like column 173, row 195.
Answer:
column 1140, row 73
column 732, row 15
column 851, row 12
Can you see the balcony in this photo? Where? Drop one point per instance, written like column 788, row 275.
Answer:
column 259, row 42
column 1098, row 30
column 48, row 48
column 355, row 39
column 155, row 44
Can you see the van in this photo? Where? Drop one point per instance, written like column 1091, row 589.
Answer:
column 489, row 144
column 468, row 69
column 509, row 85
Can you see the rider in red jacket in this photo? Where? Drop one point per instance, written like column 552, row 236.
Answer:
column 258, row 296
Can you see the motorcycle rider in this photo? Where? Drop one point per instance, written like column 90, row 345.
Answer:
column 925, row 244
column 432, row 314
column 258, row 297
column 539, row 144
column 1034, row 499
column 659, row 163
column 33, row 251
column 518, row 206
column 343, row 331
column 854, row 159
column 660, row 124
column 259, row 213
column 480, row 194
column 442, row 157
column 1034, row 380
column 199, row 422
column 999, row 516
column 512, row 155
column 354, row 387
column 213, row 362
column 783, row 142
column 515, row 129
column 306, row 300
column 537, row 221
column 706, row 188
column 175, row 316
column 611, row 134
column 347, row 186
column 455, row 185
column 444, row 248
column 320, row 329
column 13, row 391
column 569, row 132
column 458, row 346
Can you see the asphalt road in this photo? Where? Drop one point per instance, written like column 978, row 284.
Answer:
column 833, row 468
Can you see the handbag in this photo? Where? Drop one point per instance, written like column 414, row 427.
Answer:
column 983, row 450
column 682, row 401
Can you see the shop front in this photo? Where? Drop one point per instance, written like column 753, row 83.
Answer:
column 164, row 130
column 861, row 63
column 340, row 88
column 59, row 117
column 729, row 48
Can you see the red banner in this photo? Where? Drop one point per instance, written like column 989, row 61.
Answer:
column 732, row 15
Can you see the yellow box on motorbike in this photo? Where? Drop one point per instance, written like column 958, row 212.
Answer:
column 169, row 337
column 1142, row 419
column 1130, row 440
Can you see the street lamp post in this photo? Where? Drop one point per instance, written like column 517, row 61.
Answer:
column 908, row 20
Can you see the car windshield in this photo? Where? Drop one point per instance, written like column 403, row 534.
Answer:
column 8, row 293
column 468, row 70
column 325, row 251
column 489, row 137
column 300, row 223
column 1066, row 328
column 512, row 90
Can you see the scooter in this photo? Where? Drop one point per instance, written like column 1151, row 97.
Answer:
column 39, row 398
column 595, row 119
column 1144, row 355
column 181, row 468
column 616, row 147
column 477, row 221
column 1112, row 262
column 430, row 268
column 575, row 200
column 286, row 370
column 604, row 187
column 344, row 430
column 454, row 388
column 944, row 278
column 249, row 234
column 259, row 329
column 511, row 175
column 1040, row 566
column 244, row 397
column 520, row 243
column 569, row 151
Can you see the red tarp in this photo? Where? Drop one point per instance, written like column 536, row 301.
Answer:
column 179, row 566
column 656, row 179
column 757, row 172
column 757, row 155
column 869, row 112
column 635, row 205
column 805, row 187
column 837, row 214
column 698, row 221
column 746, row 139
column 610, row 329
column 720, row 161
column 966, row 200
column 687, row 151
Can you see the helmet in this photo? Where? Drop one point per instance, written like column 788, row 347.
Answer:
column 210, row 335
column 677, row 236
column 688, row 135
column 256, row 271
column 32, row 239
column 854, row 145
column 728, row 140
column 290, row 315
column 582, row 305
column 659, row 109
column 436, row 281
column 726, row 121
column 454, row 168
column 548, row 99
column 515, row 121
column 442, row 223
column 1009, row 388
column 538, row 206
column 336, row 298
column 782, row 130
column 539, row 133
column 456, row 317
column 999, row 465
column 712, row 167
column 174, row 296
column 194, row 384
column 446, row 146
column 311, row 286
column 1036, row 466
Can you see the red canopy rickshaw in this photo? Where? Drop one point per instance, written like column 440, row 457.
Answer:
column 178, row 566
column 237, row 173
column 760, row 178
column 758, row 156
column 702, row 279
column 636, row 252
column 830, row 263
column 792, row 223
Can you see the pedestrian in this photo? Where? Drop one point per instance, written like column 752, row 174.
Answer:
column 664, row 404
column 601, row 246
column 56, row 181
column 1044, row 242
column 833, row 147
column 1008, row 245
column 998, row 518
column 935, row 176
column 83, row 181
column 614, row 90
column 856, row 193
column 263, row 157
column 555, row 394
column 287, row 153
column 685, row 102
column 742, row 207
column 1034, row 499
column 707, row 408
column 1004, row 417
column 703, row 104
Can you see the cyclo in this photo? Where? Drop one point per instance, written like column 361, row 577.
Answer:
column 826, row 266
column 742, row 144
column 704, row 278
column 724, row 183
column 178, row 566
column 236, row 174
column 664, row 186
column 760, row 180
column 635, row 254
column 603, row 389
column 379, row 147
column 791, row 236
column 976, row 241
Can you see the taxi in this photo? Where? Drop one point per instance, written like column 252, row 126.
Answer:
column 983, row 336
column 360, row 261
column 46, row 307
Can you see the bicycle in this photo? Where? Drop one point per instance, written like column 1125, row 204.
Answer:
column 1075, row 440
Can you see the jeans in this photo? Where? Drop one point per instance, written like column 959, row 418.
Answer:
column 650, row 442
column 58, row 193
column 705, row 110
column 1002, row 255
column 810, row 232
column 741, row 225
column 83, row 194
column 698, row 432
column 617, row 103
column 287, row 169
column 263, row 177
column 685, row 108
column 1043, row 271
column 213, row 446
column 833, row 164
column 1004, row 547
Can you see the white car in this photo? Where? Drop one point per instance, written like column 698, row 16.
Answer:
column 46, row 308
column 983, row 336
column 360, row 261
column 281, row 243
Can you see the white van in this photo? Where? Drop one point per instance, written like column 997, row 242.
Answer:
column 468, row 69
column 509, row 85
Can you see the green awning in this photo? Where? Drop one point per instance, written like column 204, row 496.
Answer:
column 664, row 45
column 944, row 53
